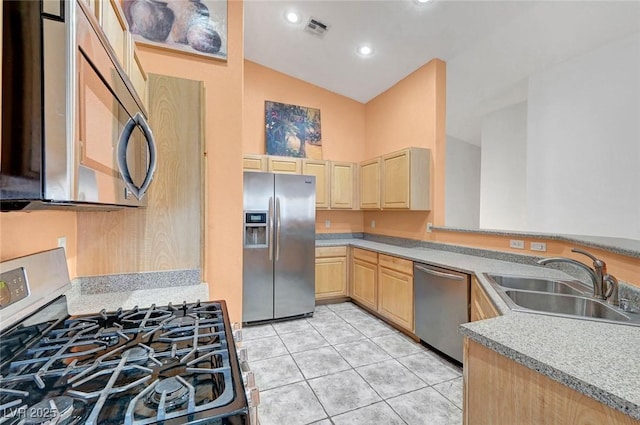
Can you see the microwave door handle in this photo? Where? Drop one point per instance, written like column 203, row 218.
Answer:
column 151, row 144
column 123, row 143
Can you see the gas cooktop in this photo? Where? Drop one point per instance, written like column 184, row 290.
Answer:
column 169, row 364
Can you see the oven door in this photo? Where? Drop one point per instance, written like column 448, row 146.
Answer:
column 116, row 149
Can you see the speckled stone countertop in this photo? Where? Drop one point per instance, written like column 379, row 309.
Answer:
column 562, row 349
column 81, row 303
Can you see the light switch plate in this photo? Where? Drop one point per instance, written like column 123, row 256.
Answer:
column 327, row 223
column 373, row 224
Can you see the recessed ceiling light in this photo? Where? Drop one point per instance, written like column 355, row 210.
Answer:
column 423, row 1
column 365, row 50
column 292, row 17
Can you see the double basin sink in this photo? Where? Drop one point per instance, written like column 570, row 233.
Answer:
column 565, row 298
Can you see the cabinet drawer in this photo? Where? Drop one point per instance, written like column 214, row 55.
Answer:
column 397, row 264
column 364, row 255
column 331, row 251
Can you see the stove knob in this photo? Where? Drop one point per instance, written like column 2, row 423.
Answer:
column 253, row 397
column 237, row 335
column 243, row 356
column 249, row 379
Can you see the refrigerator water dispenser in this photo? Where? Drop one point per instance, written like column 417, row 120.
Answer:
column 255, row 229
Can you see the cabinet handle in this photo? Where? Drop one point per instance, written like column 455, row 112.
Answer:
column 439, row 274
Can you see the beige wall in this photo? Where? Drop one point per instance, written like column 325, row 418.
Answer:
column 24, row 233
column 411, row 113
column 342, row 121
column 223, row 139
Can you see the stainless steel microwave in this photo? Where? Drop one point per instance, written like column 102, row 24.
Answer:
column 74, row 131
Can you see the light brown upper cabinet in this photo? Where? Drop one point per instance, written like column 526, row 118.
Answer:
column 343, row 179
column 405, row 179
column 284, row 164
column 320, row 169
column 251, row 162
column 115, row 28
column 370, row 184
column 138, row 77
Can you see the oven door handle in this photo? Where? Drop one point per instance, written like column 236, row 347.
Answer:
column 123, row 143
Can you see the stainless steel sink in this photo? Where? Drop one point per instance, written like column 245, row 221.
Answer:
column 540, row 284
column 564, row 298
column 566, row 305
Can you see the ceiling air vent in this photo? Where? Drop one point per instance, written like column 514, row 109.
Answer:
column 316, row 27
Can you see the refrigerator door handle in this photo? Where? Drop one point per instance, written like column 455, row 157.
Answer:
column 270, row 228
column 277, row 228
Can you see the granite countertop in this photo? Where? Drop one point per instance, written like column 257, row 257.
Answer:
column 79, row 302
column 562, row 349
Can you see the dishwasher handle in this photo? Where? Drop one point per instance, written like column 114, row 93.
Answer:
column 439, row 274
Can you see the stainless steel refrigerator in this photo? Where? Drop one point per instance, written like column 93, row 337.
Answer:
column 279, row 246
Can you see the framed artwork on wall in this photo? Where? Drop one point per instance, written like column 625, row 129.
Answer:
column 292, row 130
column 197, row 27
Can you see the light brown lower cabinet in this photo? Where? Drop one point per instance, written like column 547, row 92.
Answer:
column 395, row 290
column 499, row 391
column 364, row 277
column 331, row 272
column 481, row 306
column 383, row 284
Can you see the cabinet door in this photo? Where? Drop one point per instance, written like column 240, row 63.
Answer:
column 395, row 297
column 284, row 165
column 370, row 184
column 252, row 162
column 319, row 169
column 481, row 307
column 115, row 28
column 364, row 280
column 395, row 180
column 138, row 77
column 342, row 184
column 331, row 277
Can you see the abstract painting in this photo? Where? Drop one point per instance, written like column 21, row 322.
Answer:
column 191, row 26
column 293, row 130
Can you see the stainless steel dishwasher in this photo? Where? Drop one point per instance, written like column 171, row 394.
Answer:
column 441, row 302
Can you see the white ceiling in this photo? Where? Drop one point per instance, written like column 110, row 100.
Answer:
column 490, row 47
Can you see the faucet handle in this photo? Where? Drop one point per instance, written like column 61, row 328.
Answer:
column 596, row 261
column 612, row 291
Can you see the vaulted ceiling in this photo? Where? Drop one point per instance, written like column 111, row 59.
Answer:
column 491, row 47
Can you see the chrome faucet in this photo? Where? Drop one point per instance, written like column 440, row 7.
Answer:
column 605, row 286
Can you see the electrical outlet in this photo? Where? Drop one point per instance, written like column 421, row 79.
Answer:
column 373, row 224
column 429, row 226
column 62, row 242
column 327, row 223
column 516, row 243
column 538, row 246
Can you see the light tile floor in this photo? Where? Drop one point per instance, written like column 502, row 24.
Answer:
column 344, row 366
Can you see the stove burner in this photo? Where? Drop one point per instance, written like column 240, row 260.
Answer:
column 183, row 321
column 50, row 411
column 146, row 317
column 137, row 354
column 176, row 392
